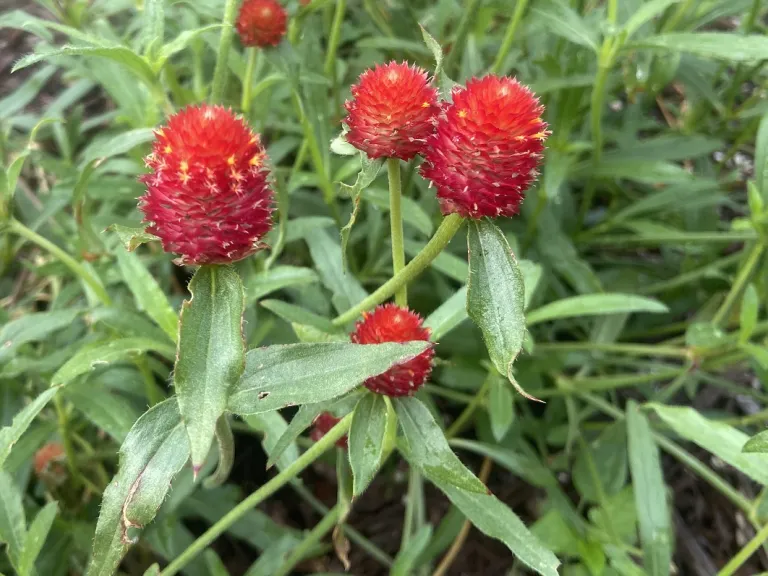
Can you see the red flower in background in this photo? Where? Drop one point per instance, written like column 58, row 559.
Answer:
column 47, row 456
column 391, row 323
column 392, row 111
column 323, row 424
column 261, row 23
column 486, row 149
column 208, row 196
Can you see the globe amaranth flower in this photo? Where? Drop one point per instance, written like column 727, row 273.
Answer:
column 323, row 424
column 392, row 111
column 261, row 23
column 391, row 323
column 48, row 459
column 486, row 148
column 208, row 194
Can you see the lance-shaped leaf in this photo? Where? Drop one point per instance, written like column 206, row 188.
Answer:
column 154, row 451
column 9, row 435
column 211, row 353
column 366, row 440
column 496, row 295
column 369, row 169
column 428, row 448
column 308, row 373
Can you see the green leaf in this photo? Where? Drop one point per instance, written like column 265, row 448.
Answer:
column 444, row 83
column 366, row 440
column 153, row 453
column 288, row 375
column 17, row 100
column 211, row 353
column 153, row 23
column 645, row 13
column 106, row 410
column 758, row 444
column 717, row 45
column 494, row 518
column 120, row 54
column 132, row 238
column 609, row 457
column 496, row 295
column 274, row 427
column 180, row 43
column 13, row 524
column 650, row 493
column 722, row 440
column 758, row 353
column 501, row 407
column 148, row 295
column 369, row 170
column 560, row 20
column 428, row 449
column 304, row 418
column 117, row 145
column 296, row 314
column 36, row 536
column 594, row 305
column 750, row 306
column 448, row 315
column 326, row 254
column 761, row 157
column 103, row 353
column 278, row 278
column 9, row 435
column 406, row 561
column 31, row 328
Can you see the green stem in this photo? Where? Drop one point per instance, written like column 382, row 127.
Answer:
column 470, row 11
column 84, row 274
column 469, row 410
column 506, row 44
column 396, row 226
column 259, row 496
column 333, row 40
column 739, row 284
column 245, row 104
column 631, row 349
column 448, row 228
column 66, row 439
column 310, row 540
column 221, row 72
column 744, row 554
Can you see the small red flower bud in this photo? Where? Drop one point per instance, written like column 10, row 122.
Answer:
column 261, row 23
column 487, row 146
column 47, row 456
column 391, row 323
column 208, row 196
column 323, row 424
column 392, row 111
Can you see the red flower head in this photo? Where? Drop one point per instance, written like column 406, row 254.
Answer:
column 261, row 23
column 323, row 424
column 392, row 111
column 390, row 323
column 208, row 196
column 484, row 154
column 47, row 456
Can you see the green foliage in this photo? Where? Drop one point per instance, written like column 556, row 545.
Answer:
column 628, row 294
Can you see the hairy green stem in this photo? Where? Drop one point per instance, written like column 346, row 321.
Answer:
column 245, row 104
column 315, row 535
column 258, row 496
column 221, row 72
column 509, row 36
column 396, row 227
column 448, row 228
column 84, row 274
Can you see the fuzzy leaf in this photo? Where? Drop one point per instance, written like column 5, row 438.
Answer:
column 428, row 448
column 36, row 536
column 366, row 440
column 294, row 374
column 369, row 169
column 13, row 523
column 153, row 453
column 211, row 353
column 132, row 238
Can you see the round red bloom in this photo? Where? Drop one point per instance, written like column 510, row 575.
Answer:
column 391, row 323
column 323, row 424
column 46, row 456
column 487, row 146
column 261, row 23
column 208, row 196
column 392, row 111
